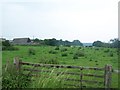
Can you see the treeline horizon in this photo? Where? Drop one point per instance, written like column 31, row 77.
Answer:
column 113, row 43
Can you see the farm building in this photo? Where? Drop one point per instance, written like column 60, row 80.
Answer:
column 21, row 41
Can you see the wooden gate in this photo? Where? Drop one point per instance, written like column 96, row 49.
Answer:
column 76, row 71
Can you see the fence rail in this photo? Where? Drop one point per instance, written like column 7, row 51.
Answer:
column 106, row 76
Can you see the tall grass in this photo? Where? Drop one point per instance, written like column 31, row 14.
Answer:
column 49, row 80
column 11, row 78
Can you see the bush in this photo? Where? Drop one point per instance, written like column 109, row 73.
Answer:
column 64, row 54
column 31, row 51
column 10, row 48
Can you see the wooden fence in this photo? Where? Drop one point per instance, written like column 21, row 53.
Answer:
column 106, row 76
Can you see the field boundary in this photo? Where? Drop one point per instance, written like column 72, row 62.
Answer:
column 106, row 76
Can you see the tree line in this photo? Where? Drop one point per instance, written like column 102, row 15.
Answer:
column 113, row 43
column 55, row 42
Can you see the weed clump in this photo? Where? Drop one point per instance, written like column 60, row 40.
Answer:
column 49, row 61
column 96, row 49
column 57, row 48
column 106, row 51
column 90, row 59
column 63, row 49
column 79, row 48
column 75, row 56
column 64, row 54
column 31, row 51
column 71, row 53
column 80, row 53
column 11, row 78
column 52, row 52
column 111, row 54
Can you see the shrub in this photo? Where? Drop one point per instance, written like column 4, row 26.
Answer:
column 31, row 51
column 64, row 54
column 10, row 48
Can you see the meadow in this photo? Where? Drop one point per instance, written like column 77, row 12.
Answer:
column 63, row 55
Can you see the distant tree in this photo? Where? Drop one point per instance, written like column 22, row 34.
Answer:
column 6, row 43
column 51, row 42
column 77, row 43
column 36, row 40
column 98, row 43
column 7, row 46
column 115, row 43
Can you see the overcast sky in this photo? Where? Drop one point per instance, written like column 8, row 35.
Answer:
column 85, row 20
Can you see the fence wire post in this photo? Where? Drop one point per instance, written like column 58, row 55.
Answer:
column 107, row 78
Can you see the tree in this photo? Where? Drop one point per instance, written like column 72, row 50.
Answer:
column 51, row 42
column 98, row 43
column 77, row 43
column 36, row 40
column 115, row 43
column 6, row 43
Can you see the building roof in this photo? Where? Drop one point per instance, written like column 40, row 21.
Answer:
column 21, row 40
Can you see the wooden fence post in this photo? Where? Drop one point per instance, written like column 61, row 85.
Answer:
column 17, row 63
column 107, row 78
column 81, row 77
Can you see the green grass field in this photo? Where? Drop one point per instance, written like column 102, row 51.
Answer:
column 88, row 56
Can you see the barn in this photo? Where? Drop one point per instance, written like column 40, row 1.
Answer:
column 21, row 41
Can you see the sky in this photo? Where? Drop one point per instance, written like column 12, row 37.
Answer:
column 85, row 20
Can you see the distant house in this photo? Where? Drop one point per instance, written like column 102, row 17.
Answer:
column 21, row 41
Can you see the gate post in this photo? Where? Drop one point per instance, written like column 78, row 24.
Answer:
column 107, row 76
column 17, row 63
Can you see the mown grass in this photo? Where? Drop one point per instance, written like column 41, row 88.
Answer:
column 86, row 56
